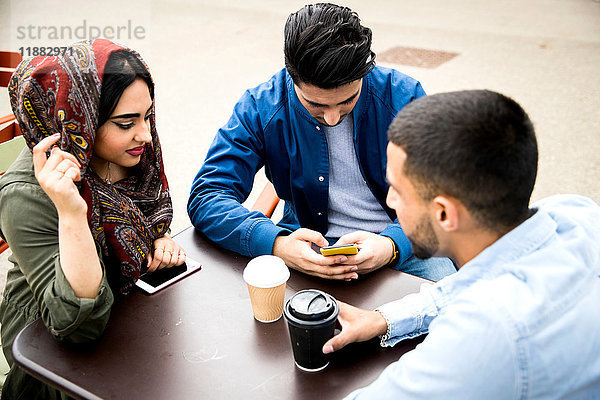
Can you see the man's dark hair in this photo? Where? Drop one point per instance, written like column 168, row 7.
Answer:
column 326, row 46
column 121, row 70
column 477, row 146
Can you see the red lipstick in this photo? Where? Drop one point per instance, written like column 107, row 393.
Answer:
column 136, row 151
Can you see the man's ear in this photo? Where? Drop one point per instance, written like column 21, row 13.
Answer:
column 446, row 213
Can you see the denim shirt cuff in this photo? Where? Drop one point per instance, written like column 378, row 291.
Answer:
column 408, row 317
column 262, row 237
column 395, row 232
column 402, row 324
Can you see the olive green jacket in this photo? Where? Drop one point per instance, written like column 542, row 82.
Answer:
column 36, row 286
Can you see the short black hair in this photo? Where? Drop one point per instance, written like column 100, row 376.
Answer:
column 122, row 68
column 478, row 146
column 326, row 46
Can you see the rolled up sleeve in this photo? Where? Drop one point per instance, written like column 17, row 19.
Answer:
column 29, row 222
column 74, row 319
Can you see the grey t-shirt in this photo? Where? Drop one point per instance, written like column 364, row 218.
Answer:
column 352, row 206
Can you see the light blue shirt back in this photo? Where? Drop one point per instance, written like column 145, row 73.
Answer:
column 519, row 321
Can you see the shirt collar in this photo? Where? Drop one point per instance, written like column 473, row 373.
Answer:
column 522, row 240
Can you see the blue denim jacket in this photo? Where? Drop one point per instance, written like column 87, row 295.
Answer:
column 270, row 127
column 519, row 321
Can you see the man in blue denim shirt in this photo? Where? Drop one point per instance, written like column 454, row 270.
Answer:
column 319, row 127
column 521, row 318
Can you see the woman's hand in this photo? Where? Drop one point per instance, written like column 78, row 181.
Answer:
column 167, row 253
column 57, row 175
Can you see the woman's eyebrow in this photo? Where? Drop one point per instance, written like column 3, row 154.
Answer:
column 130, row 115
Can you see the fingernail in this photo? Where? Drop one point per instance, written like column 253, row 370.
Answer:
column 354, row 268
column 57, row 134
column 327, row 349
column 343, row 259
column 355, row 276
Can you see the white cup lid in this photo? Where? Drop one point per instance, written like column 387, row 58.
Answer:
column 266, row 271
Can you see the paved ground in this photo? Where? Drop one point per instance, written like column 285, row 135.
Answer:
column 203, row 55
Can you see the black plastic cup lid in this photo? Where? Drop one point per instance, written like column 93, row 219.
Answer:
column 311, row 305
column 312, row 308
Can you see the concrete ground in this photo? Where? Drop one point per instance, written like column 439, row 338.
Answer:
column 203, row 55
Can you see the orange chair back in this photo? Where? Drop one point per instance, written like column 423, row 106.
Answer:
column 8, row 62
column 267, row 200
column 8, row 125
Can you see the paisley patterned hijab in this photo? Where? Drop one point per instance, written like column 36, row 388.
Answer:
column 62, row 94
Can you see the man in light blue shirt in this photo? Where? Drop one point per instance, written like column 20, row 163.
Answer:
column 521, row 318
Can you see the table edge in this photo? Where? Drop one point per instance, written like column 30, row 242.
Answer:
column 57, row 381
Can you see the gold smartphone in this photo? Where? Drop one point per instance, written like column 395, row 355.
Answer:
column 340, row 249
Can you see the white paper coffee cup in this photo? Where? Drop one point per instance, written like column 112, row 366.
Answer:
column 266, row 277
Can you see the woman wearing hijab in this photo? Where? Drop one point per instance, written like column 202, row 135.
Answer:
column 85, row 208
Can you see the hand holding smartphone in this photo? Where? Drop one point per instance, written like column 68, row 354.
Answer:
column 158, row 280
column 340, row 249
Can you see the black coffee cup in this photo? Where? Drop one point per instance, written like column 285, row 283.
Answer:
column 311, row 316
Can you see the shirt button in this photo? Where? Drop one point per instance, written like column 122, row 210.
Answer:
column 319, row 214
column 321, row 179
column 318, row 127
